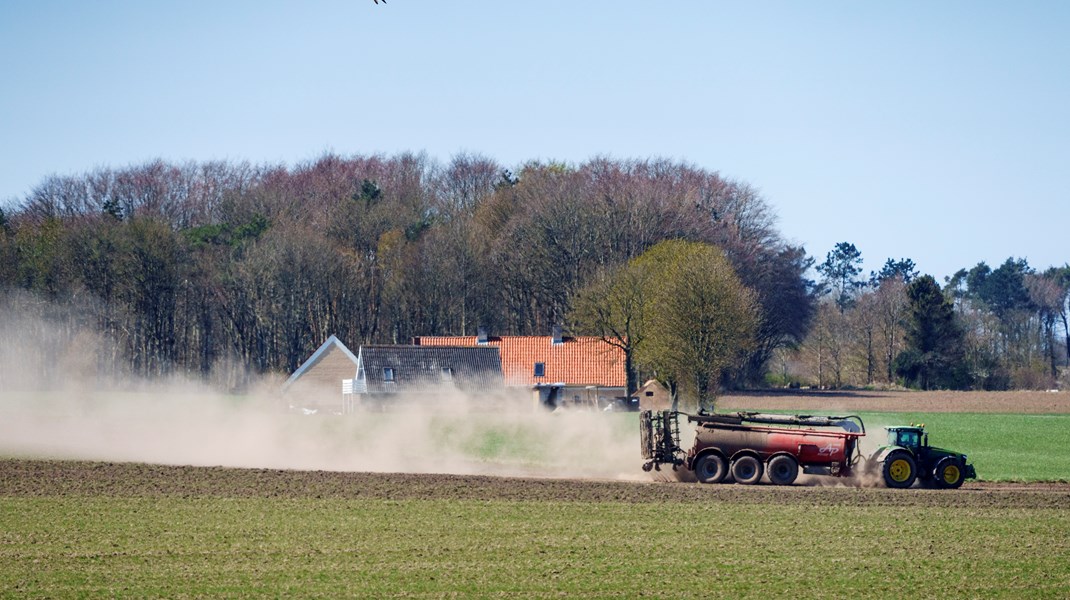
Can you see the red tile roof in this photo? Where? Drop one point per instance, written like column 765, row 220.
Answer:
column 583, row 360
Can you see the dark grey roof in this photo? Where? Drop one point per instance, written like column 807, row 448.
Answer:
column 417, row 368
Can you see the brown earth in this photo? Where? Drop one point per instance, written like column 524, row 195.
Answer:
column 898, row 401
column 42, row 478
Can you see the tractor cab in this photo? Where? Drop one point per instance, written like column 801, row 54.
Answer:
column 913, row 437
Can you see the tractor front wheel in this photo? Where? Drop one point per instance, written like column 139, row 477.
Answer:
column 747, row 470
column 949, row 474
column 711, row 468
column 900, row 470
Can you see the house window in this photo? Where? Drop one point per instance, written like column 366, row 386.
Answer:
column 447, row 374
column 388, row 374
column 540, row 369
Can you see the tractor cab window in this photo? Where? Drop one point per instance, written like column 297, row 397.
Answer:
column 907, row 438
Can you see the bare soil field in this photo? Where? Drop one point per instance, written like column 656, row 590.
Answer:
column 1030, row 402
column 37, row 478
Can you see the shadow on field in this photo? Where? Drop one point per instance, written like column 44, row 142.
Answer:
column 668, row 475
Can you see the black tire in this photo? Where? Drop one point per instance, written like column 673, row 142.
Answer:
column 948, row 473
column 783, row 470
column 899, row 470
column 711, row 468
column 747, row 470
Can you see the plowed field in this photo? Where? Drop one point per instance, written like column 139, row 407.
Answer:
column 27, row 478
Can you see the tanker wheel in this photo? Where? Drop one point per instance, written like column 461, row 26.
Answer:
column 747, row 470
column 948, row 474
column 711, row 468
column 900, row 470
column 783, row 470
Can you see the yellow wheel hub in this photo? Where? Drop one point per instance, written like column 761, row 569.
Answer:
column 899, row 470
column 951, row 474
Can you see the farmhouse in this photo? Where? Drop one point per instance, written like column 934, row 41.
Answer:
column 560, row 370
column 334, row 380
column 385, row 374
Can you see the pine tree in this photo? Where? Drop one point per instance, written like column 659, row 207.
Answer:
column 840, row 269
column 934, row 358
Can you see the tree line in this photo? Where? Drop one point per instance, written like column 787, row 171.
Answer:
column 229, row 270
column 985, row 328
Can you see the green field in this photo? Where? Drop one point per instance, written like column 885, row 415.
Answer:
column 1003, row 447
column 216, row 546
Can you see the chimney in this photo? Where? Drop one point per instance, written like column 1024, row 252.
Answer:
column 481, row 338
column 558, row 338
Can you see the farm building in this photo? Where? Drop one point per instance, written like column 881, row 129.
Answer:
column 317, row 384
column 560, row 370
column 334, row 380
column 385, row 373
column 654, row 396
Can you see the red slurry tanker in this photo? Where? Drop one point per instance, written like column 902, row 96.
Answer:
column 747, row 446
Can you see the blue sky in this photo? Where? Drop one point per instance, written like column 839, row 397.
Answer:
column 936, row 131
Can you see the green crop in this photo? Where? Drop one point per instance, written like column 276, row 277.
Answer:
column 1002, row 447
column 194, row 547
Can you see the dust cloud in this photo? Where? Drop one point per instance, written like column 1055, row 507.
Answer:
column 53, row 406
column 178, row 426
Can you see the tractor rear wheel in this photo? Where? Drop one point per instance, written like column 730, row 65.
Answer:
column 948, row 473
column 783, row 470
column 747, row 470
column 711, row 468
column 900, row 470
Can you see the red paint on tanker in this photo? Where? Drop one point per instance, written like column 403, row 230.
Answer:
column 808, row 446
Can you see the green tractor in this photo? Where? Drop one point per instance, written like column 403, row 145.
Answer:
column 908, row 457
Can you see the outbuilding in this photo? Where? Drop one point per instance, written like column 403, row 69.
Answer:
column 316, row 386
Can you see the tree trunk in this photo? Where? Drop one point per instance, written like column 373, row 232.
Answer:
column 820, row 367
column 1066, row 337
column 870, row 359
column 629, row 373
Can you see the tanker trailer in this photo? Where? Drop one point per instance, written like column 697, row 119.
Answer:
column 747, row 445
